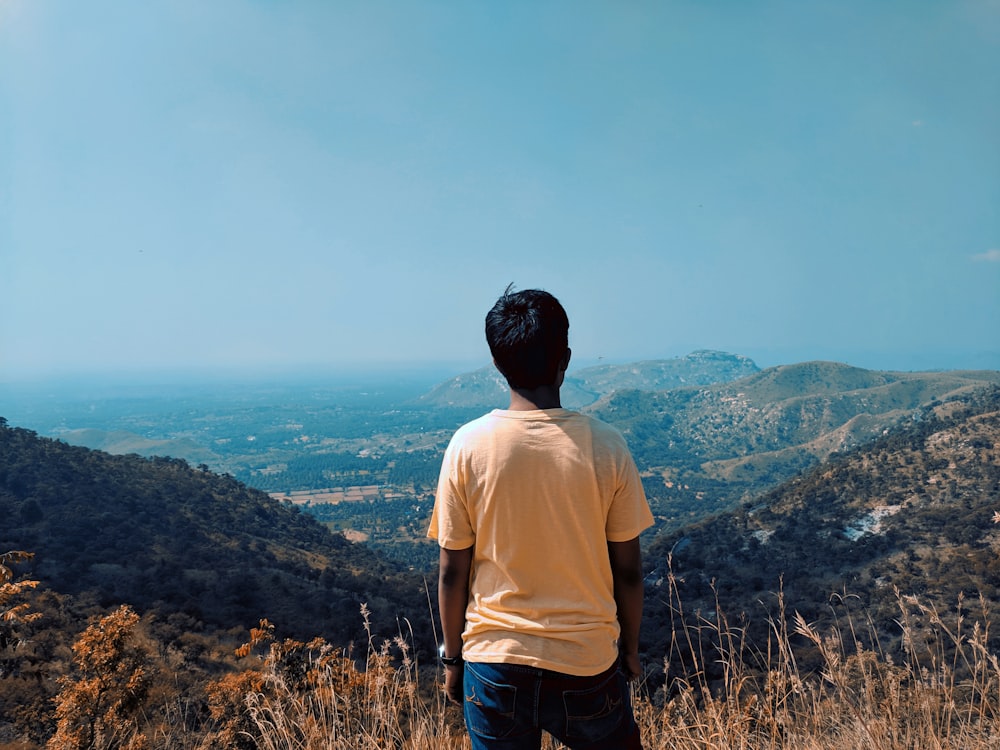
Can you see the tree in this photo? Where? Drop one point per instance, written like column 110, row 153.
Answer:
column 12, row 611
column 100, row 707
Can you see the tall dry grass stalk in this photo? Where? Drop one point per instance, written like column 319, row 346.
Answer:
column 941, row 692
column 314, row 697
column 939, row 689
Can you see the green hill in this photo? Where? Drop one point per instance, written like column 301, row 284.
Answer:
column 122, row 442
column 162, row 536
column 706, row 449
column 912, row 513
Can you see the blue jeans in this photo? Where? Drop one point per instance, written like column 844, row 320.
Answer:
column 508, row 705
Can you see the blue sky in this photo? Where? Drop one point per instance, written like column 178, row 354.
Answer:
column 261, row 185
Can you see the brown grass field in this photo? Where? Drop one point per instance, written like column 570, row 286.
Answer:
column 942, row 693
column 937, row 688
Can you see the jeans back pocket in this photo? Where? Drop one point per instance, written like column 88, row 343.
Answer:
column 596, row 712
column 489, row 706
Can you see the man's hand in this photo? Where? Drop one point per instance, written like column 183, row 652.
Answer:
column 453, row 684
column 631, row 666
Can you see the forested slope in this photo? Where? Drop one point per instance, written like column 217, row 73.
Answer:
column 160, row 535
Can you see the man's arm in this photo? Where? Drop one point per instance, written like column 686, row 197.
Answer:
column 626, row 572
column 453, row 598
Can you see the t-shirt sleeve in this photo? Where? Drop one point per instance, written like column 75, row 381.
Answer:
column 629, row 514
column 450, row 523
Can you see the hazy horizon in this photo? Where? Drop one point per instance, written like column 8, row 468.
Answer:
column 356, row 375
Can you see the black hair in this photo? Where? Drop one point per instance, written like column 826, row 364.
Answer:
column 528, row 334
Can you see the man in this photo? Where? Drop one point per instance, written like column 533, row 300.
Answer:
column 538, row 514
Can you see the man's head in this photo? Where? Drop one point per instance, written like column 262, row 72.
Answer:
column 528, row 334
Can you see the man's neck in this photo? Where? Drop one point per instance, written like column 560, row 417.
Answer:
column 544, row 397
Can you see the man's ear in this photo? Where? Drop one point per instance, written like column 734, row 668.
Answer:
column 564, row 365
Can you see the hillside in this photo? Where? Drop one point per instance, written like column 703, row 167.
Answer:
column 703, row 367
column 706, row 449
column 162, row 536
column 123, row 442
column 702, row 449
column 914, row 512
column 911, row 510
column 486, row 389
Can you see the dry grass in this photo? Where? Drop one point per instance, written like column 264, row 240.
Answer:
column 313, row 696
column 941, row 690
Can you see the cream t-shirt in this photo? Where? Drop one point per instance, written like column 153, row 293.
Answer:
column 538, row 494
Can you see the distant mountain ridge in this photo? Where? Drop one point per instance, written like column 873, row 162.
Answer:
column 487, row 389
column 706, row 448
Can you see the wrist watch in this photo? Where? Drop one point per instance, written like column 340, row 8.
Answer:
column 448, row 661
